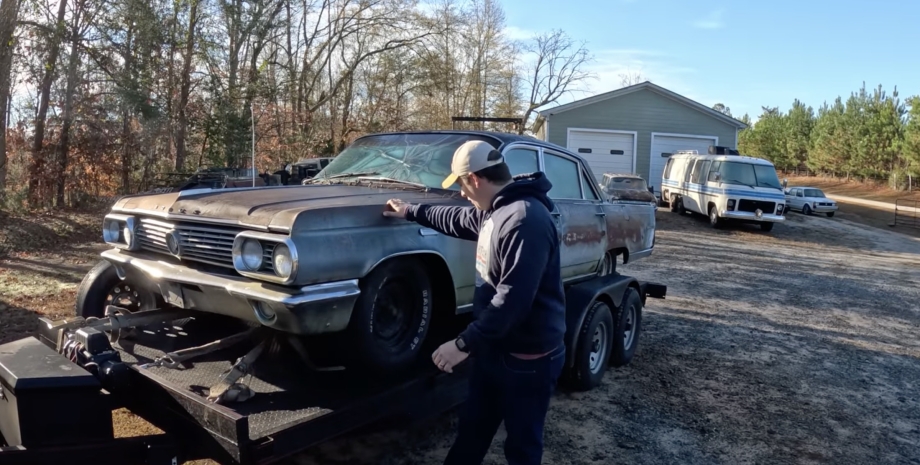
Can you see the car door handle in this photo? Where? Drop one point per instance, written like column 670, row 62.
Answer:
column 556, row 214
column 601, row 214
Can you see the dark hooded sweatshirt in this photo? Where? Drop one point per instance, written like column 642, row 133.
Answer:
column 519, row 302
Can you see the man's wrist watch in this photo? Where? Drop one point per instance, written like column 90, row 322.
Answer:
column 461, row 344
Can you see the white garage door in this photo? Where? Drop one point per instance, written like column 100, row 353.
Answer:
column 605, row 152
column 664, row 145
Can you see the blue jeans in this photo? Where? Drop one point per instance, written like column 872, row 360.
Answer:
column 504, row 387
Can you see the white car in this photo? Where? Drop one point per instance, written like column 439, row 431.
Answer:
column 809, row 200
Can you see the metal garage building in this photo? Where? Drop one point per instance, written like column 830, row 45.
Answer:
column 635, row 129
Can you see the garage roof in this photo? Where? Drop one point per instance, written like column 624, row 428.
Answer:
column 647, row 85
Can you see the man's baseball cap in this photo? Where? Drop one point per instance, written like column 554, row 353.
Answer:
column 471, row 157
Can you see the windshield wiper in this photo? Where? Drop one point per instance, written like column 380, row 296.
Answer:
column 343, row 175
column 735, row 181
column 399, row 181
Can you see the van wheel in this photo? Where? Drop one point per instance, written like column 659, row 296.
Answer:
column 714, row 220
column 592, row 354
column 766, row 226
column 677, row 204
column 628, row 326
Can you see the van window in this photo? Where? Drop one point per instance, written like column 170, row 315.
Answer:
column 697, row 167
column 704, row 171
column 667, row 168
column 715, row 169
column 749, row 174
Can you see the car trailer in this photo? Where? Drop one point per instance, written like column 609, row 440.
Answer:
column 58, row 389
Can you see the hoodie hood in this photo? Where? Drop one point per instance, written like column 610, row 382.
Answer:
column 532, row 185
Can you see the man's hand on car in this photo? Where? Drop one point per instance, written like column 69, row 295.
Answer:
column 396, row 208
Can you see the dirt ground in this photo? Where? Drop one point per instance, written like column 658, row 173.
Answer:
column 796, row 346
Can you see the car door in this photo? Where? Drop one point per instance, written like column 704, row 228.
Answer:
column 580, row 218
column 799, row 199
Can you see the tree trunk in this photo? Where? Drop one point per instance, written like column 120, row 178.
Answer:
column 72, row 66
column 186, row 87
column 9, row 14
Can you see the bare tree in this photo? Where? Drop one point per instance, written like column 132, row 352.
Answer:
column 9, row 14
column 557, row 66
column 631, row 78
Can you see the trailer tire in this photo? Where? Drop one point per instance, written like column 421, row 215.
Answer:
column 628, row 326
column 101, row 286
column 391, row 318
column 593, row 349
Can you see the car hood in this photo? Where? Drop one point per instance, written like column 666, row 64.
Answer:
column 268, row 207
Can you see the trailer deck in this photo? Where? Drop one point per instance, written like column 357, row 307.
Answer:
column 291, row 410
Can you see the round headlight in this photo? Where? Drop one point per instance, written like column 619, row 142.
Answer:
column 129, row 236
column 111, row 231
column 252, row 254
column 282, row 261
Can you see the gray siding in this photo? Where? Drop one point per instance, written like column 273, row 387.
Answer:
column 643, row 111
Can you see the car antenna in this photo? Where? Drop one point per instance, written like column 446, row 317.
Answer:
column 252, row 116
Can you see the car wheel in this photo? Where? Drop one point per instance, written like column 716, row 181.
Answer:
column 391, row 318
column 830, row 214
column 806, row 210
column 766, row 226
column 714, row 220
column 628, row 326
column 101, row 287
column 592, row 354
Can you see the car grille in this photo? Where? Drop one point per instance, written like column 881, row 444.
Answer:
column 825, row 204
column 746, row 205
column 200, row 243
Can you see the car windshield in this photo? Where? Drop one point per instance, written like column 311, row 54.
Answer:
column 749, row 174
column 814, row 193
column 416, row 158
column 626, row 183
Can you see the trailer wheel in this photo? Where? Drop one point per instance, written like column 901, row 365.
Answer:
column 101, row 287
column 390, row 320
column 628, row 326
column 594, row 348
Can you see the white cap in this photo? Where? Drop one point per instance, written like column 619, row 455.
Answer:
column 471, row 157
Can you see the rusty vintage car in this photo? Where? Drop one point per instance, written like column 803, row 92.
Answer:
column 320, row 261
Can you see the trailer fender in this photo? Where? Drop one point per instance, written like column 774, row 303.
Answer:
column 580, row 297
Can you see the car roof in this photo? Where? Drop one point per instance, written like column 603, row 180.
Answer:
column 623, row 175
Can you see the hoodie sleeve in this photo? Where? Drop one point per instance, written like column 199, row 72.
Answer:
column 459, row 222
column 523, row 249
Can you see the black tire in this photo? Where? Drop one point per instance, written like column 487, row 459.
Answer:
column 595, row 338
column 714, row 220
column 676, row 204
column 392, row 341
column 806, row 210
column 102, row 287
column 830, row 214
column 628, row 321
column 766, row 226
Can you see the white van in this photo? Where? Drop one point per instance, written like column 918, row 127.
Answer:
column 724, row 187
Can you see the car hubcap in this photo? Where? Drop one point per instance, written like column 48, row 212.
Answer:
column 628, row 327
column 598, row 348
column 124, row 295
column 392, row 309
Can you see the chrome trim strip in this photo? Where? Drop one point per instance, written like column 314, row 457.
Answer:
column 192, row 218
column 163, row 271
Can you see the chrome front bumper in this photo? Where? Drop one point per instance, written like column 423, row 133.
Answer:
column 750, row 216
column 314, row 309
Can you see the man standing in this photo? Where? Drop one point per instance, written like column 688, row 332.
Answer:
column 516, row 339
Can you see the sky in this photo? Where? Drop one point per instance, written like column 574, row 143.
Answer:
column 744, row 53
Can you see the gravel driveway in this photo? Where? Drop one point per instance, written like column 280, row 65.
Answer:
column 796, row 346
